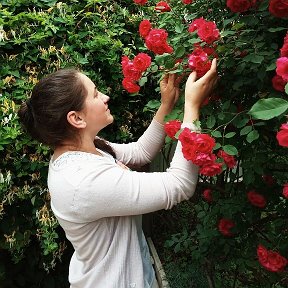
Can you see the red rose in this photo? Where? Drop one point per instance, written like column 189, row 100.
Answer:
column 268, row 179
column 278, row 8
column 238, row 5
column 285, row 190
column 210, row 51
column 187, row 138
column 130, row 86
column 202, row 159
column 207, row 195
column 131, row 72
column 282, row 135
column 140, row 2
column 199, row 62
column 211, row 169
column 162, row 6
column 286, row 38
column 278, row 83
column 144, row 28
column 124, row 61
column 228, row 159
column 156, row 41
column 282, row 67
column 188, row 152
column 196, row 24
column 204, row 143
column 271, row 260
column 187, row 1
column 284, row 50
column 208, row 32
column 142, row 61
column 225, row 225
column 256, row 199
column 172, row 127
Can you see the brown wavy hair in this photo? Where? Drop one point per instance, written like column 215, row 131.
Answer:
column 44, row 115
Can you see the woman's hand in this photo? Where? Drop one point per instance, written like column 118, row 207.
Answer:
column 197, row 91
column 169, row 87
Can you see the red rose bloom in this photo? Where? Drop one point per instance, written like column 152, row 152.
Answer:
column 199, row 62
column 187, row 137
column 207, row 195
column 140, row 2
column 284, row 50
column 282, row 67
column 278, row 8
column 282, row 135
column 131, row 72
column 144, row 28
column 285, row 191
column 256, row 199
column 278, row 83
column 130, row 86
column 196, row 24
column 211, row 169
column 268, row 179
column 204, row 143
column 162, row 6
column 271, row 260
column 228, row 159
column 142, row 61
column 187, row 1
column 202, row 159
column 124, row 61
column 225, row 225
column 156, row 41
column 239, row 5
column 208, row 32
column 172, row 127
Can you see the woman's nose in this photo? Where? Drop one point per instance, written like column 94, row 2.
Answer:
column 105, row 98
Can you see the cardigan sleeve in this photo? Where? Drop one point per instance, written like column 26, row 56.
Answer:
column 109, row 190
column 145, row 149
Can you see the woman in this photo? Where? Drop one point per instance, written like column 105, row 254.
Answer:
column 96, row 199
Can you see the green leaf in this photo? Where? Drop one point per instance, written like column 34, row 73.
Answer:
column 179, row 28
column 179, row 52
column 217, row 146
column 253, row 58
column 253, row 135
column 230, row 134
column 210, row 121
column 216, row 134
column 286, row 88
column 266, row 109
column 276, row 29
column 245, row 130
column 241, row 123
column 142, row 81
column 271, row 67
column 230, row 149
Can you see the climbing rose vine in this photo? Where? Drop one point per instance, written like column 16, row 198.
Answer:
column 240, row 144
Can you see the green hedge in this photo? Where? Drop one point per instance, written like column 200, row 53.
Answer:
column 36, row 38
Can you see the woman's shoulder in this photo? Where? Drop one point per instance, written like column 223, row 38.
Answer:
column 78, row 157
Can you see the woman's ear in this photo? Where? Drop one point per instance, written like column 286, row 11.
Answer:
column 76, row 119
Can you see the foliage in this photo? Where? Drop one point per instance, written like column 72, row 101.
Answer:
column 243, row 116
column 36, row 38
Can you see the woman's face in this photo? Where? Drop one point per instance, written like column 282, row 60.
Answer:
column 96, row 112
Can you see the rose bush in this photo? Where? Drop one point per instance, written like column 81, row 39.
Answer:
column 243, row 137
